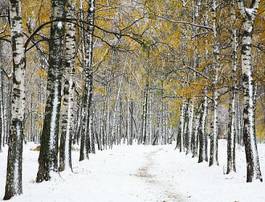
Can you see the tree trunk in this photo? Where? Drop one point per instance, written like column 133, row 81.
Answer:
column 181, row 128
column 190, row 127
column 231, row 139
column 202, row 131
column 150, row 119
column 89, row 72
column 68, row 92
column 48, row 159
column 216, row 51
column 145, row 112
column 14, row 160
column 2, row 117
column 131, row 123
column 249, row 136
column 194, row 138
column 83, row 128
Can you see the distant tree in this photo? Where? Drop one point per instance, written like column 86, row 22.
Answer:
column 88, row 91
column 231, row 139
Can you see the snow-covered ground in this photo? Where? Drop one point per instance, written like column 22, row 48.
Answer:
column 138, row 174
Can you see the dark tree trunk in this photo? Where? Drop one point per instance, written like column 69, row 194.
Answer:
column 131, row 123
column 194, row 138
column 88, row 70
column 83, row 129
column 231, row 139
column 48, row 159
column 144, row 130
column 202, row 132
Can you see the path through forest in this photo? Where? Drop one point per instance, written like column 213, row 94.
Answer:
column 165, row 190
column 139, row 174
column 125, row 173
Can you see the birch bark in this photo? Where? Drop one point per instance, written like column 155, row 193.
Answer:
column 249, row 136
column 48, row 159
column 14, row 161
column 67, row 109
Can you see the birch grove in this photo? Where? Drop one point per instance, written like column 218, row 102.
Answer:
column 81, row 76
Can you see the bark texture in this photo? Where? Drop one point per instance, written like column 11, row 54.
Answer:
column 67, row 111
column 14, row 162
column 48, row 159
column 249, row 136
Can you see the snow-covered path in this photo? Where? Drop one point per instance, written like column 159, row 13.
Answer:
column 123, row 174
column 159, row 184
column 139, row 174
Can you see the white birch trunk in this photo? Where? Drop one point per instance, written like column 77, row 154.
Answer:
column 252, row 159
column 181, row 139
column 48, row 156
column 216, row 66
column 14, row 162
column 67, row 109
column 231, row 139
column 202, row 130
column 190, row 127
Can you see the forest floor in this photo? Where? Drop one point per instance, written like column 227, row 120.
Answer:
column 138, row 174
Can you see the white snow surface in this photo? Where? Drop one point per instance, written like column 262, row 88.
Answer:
column 138, row 174
column 53, row 117
column 60, row 25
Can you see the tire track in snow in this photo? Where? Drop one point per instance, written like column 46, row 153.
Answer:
column 167, row 194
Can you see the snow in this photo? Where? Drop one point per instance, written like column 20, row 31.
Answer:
column 53, row 117
column 92, row 6
column 250, row 11
column 68, row 127
column 60, row 25
column 16, row 165
column 137, row 174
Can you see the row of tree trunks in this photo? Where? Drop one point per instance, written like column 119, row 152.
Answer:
column 234, row 131
column 235, row 124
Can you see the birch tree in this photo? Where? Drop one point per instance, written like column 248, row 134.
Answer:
column 231, row 139
column 88, row 70
column 216, row 68
column 67, row 109
column 14, row 162
column 181, row 128
column 249, row 14
column 202, row 131
column 48, row 160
